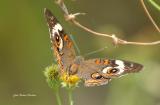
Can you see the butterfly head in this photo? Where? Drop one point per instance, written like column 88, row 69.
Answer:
column 117, row 68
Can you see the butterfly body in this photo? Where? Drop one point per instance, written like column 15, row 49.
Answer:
column 94, row 72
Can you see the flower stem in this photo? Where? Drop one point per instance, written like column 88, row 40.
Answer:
column 154, row 4
column 58, row 98
column 70, row 96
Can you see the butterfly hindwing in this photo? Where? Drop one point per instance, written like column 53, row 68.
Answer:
column 61, row 42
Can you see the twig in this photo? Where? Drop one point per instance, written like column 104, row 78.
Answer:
column 116, row 40
column 149, row 16
column 62, row 6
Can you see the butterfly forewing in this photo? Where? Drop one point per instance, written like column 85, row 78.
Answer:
column 61, row 42
column 101, row 71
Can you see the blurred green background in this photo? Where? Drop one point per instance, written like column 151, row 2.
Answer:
column 25, row 51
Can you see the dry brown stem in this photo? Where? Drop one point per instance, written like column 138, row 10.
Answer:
column 116, row 40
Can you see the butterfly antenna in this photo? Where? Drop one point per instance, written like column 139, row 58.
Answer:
column 72, row 38
column 96, row 51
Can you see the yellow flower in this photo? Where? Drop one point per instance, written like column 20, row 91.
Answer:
column 70, row 80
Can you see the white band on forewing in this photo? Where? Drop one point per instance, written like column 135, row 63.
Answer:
column 120, row 66
column 55, row 30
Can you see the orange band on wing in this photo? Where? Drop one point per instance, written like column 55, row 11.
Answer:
column 59, row 60
column 69, row 43
column 106, row 61
column 98, row 61
column 65, row 37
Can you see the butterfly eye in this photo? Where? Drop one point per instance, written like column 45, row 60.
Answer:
column 112, row 71
column 57, row 38
column 96, row 76
column 58, row 42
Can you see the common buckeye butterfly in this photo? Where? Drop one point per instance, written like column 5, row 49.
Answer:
column 94, row 72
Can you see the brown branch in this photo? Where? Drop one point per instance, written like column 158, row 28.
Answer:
column 149, row 16
column 62, row 6
column 116, row 40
